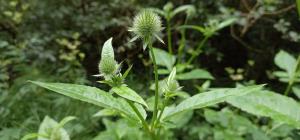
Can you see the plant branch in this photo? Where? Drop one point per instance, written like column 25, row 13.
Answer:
column 243, row 43
column 246, row 5
column 199, row 47
column 162, row 111
column 182, row 43
column 283, row 10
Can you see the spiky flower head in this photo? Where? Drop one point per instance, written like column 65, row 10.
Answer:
column 107, row 65
column 147, row 26
column 171, row 84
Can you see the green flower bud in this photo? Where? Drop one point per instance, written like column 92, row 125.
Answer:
column 147, row 26
column 172, row 84
column 107, row 65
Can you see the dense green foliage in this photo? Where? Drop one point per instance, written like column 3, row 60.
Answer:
column 177, row 72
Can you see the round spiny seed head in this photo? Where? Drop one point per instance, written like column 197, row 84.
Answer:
column 147, row 26
column 107, row 65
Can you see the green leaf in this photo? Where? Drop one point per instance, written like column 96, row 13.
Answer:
column 47, row 128
column 194, row 27
column 105, row 112
column 270, row 104
column 186, row 8
column 30, row 136
column 180, row 119
column 163, row 71
column 195, row 74
column 120, row 129
column 65, row 121
column 126, row 72
column 281, row 74
column 285, row 61
column 90, row 95
column 129, row 94
column 107, row 49
column 163, row 58
column 227, row 119
column 209, row 98
column 158, row 11
column 226, row 23
column 296, row 90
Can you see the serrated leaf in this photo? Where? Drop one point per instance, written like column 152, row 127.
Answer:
column 90, row 95
column 129, row 94
column 163, row 58
column 47, row 128
column 286, row 62
column 195, row 74
column 209, row 98
column 270, row 104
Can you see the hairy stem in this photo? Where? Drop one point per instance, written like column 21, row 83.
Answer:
column 294, row 76
column 156, row 87
column 199, row 47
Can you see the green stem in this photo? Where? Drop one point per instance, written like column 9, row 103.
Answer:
column 144, row 123
column 169, row 36
column 294, row 76
column 182, row 43
column 162, row 111
column 199, row 47
column 289, row 87
column 156, row 87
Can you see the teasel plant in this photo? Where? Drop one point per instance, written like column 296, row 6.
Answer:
column 126, row 102
column 147, row 26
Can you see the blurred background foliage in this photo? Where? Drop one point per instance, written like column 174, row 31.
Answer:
column 59, row 40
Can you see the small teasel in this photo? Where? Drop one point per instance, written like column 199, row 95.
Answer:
column 171, row 84
column 146, row 26
column 107, row 65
